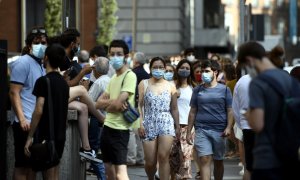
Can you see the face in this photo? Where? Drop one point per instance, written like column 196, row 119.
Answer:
column 210, row 72
column 197, row 71
column 158, row 65
column 116, row 51
column 185, row 66
column 75, row 47
column 40, row 40
column 169, row 69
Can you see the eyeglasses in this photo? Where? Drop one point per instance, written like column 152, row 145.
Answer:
column 41, row 31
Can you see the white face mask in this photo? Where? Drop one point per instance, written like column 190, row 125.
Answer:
column 190, row 58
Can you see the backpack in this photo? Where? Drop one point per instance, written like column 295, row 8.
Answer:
column 287, row 138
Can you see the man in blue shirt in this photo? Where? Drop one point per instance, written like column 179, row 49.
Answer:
column 24, row 72
column 211, row 115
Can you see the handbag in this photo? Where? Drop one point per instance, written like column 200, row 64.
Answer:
column 176, row 156
column 130, row 114
column 44, row 154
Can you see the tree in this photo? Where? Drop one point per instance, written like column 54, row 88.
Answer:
column 107, row 22
column 53, row 21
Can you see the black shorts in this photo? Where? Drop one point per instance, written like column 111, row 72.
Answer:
column 20, row 138
column 248, row 138
column 113, row 144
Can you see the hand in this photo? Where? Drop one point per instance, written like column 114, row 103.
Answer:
column 27, row 146
column 226, row 132
column 25, row 125
column 189, row 138
column 141, row 131
column 124, row 106
column 87, row 69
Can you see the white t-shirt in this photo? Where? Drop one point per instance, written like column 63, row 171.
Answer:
column 241, row 101
column 183, row 103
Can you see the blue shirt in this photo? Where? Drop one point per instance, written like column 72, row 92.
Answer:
column 211, row 104
column 25, row 71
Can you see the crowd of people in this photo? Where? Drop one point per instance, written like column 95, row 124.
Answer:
column 203, row 103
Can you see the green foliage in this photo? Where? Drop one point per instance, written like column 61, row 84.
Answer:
column 53, row 20
column 107, row 21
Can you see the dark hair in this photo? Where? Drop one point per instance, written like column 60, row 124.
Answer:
column 275, row 56
column 68, row 36
column 177, row 78
column 121, row 44
column 53, row 40
column 36, row 31
column 188, row 50
column 154, row 60
column 98, row 51
column 230, row 72
column 252, row 49
column 214, row 65
column 219, row 58
column 295, row 72
column 56, row 54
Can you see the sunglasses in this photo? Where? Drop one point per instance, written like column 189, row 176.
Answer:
column 41, row 31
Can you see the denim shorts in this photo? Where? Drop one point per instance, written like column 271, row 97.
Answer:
column 210, row 142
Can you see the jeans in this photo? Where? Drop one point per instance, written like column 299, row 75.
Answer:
column 94, row 138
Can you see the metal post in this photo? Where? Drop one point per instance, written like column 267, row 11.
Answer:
column 134, row 24
column 242, row 22
column 3, row 113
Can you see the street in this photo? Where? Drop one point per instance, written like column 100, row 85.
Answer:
column 231, row 171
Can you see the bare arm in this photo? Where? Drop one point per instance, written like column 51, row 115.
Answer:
column 174, row 107
column 117, row 105
column 141, row 101
column 75, row 81
column 191, row 121
column 256, row 119
column 103, row 101
column 14, row 94
column 36, row 116
column 230, row 122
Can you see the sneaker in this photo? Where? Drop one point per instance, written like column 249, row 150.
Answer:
column 242, row 172
column 198, row 176
column 89, row 154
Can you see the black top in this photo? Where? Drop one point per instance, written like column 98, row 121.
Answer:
column 60, row 96
column 140, row 74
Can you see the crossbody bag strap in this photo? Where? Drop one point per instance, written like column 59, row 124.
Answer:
column 50, row 107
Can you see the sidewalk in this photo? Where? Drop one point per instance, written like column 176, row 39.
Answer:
column 231, row 171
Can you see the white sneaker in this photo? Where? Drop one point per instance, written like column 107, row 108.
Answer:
column 242, row 172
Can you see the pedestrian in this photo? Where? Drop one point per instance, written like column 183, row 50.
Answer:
column 39, row 126
column 79, row 99
column 135, row 154
column 263, row 115
column 159, row 119
column 95, row 127
column 184, row 87
column 211, row 115
column 240, row 103
column 119, row 92
column 24, row 73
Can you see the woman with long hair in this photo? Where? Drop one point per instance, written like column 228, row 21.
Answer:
column 159, row 119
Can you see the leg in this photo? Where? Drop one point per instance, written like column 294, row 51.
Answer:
column 205, row 164
column 110, row 171
column 150, row 152
column 121, row 172
column 21, row 173
column 82, row 122
column 131, row 155
column 218, row 169
column 139, row 149
column 81, row 92
column 163, row 153
column 51, row 174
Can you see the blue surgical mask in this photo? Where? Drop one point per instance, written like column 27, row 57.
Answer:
column 184, row 73
column 157, row 73
column 117, row 62
column 168, row 76
column 38, row 50
column 206, row 78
